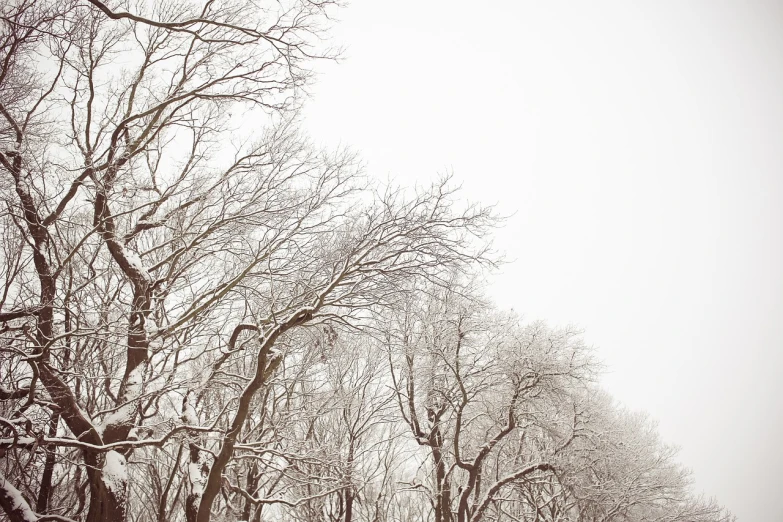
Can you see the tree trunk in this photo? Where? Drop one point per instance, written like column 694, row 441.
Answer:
column 267, row 364
column 443, row 488
column 198, row 471
column 108, row 487
column 252, row 484
column 45, row 491
column 349, row 491
column 348, row 505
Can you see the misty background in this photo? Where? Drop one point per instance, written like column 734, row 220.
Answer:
column 639, row 150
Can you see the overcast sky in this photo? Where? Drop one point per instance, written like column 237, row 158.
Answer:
column 641, row 147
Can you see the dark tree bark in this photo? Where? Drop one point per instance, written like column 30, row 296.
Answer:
column 45, row 491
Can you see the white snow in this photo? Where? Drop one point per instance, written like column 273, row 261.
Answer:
column 197, row 480
column 16, row 501
column 190, row 417
column 198, row 473
column 22, row 441
column 135, row 262
column 126, row 412
column 133, row 384
column 115, row 474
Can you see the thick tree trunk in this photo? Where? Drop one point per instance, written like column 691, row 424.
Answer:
column 443, row 487
column 107, row 474
column 268, row 361
column 105, row 508
column 267, row 364
column 473, row 486
column 198, row 472
column 348, row 504
column 252, row 484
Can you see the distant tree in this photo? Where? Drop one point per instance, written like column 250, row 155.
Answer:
column 496, row 396
column 622, row 471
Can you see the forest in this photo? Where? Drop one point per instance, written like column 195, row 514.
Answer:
column 206, row 317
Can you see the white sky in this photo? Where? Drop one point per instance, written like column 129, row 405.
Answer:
column 641, row 148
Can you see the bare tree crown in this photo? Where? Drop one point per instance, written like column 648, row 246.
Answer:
column 204, row 317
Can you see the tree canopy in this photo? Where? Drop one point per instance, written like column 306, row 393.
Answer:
column 205, row 317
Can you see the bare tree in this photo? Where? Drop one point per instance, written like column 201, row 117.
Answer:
column 145, row 259
column 195, row 300
column 621, row 470
column 490, row 387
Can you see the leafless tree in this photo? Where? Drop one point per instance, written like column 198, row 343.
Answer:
column 146, row 262
column 198, row 305
column 491, row 385
column 622, row 471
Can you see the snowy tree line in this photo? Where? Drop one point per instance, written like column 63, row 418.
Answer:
column 204, row 317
